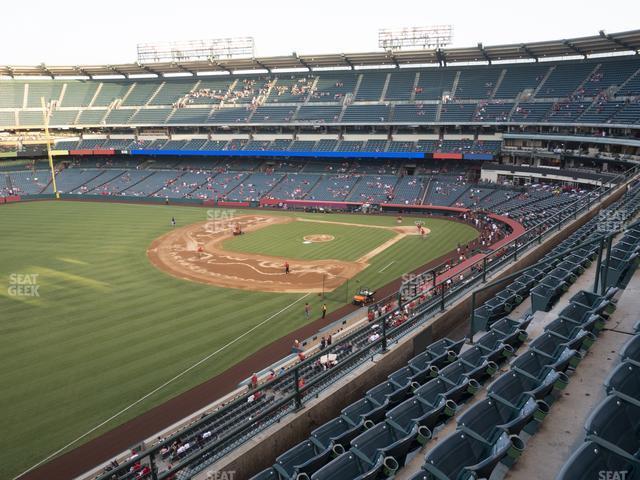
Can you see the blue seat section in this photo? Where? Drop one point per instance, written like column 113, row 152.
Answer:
column 520, row 78
column 305, row 457
column 592, row 91
column 417, row 112
column 462, row 455
column 612, row 441
column 319, row 113
column 457, row 112
column 477, row 84
column 530, row 112
column 612, row 72
column 366, row 113
column 631, row 350
column 384, row 440
column 565, row 79
column 371, row 86
column 401, row 85
column 518, row 400
column 334, row 86
column 624, row 258
column 493, row 112
column 624, row 382
column 349, row 466
column 615, row 425
column 433, row 83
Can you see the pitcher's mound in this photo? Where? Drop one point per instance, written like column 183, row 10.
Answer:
column 318, row 238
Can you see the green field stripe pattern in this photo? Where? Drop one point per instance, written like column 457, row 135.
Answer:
column 108, row 327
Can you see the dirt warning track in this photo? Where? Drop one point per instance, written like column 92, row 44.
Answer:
column 195, row 253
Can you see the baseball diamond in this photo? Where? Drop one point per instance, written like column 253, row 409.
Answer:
column 414, row 261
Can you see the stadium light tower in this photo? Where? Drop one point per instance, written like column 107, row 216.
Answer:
column 193, row 50
column 45, row 117
column 435, row 36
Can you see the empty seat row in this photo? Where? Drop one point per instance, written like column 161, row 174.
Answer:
column 489, row 432
column 624, row 258
column 612, row 441
column 565, row 272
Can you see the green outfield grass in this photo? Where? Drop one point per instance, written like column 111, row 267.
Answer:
column 286, row 240
column 107, row 327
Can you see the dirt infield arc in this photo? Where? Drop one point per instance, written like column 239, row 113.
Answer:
column 195, row 253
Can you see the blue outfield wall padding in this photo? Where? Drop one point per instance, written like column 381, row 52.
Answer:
column 276, row 153
column 478, row 156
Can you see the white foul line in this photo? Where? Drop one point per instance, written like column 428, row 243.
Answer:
column 141, row 399
column 387, row 267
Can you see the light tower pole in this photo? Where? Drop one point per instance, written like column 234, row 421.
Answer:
column 45, row 114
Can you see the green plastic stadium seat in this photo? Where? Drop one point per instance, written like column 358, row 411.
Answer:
column 624, row 381
column 306, row 457
column 461, row 454
column 591, row 459
column 615, row 425
column 385, row 440
column 349, row 466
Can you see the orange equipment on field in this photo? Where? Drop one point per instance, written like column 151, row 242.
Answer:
column 364, row 297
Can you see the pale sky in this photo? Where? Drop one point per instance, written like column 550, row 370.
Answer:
column 74, row 32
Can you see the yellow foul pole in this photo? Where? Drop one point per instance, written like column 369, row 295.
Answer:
column 45, row 114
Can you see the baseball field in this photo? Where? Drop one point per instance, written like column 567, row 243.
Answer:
column 107, row 310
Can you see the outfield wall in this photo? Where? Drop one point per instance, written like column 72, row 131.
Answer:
column 257, row 153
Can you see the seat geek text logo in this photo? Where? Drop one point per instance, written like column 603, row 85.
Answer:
column 23, row 285
column 612, row 475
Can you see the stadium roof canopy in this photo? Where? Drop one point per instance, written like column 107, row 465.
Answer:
column 603, row 43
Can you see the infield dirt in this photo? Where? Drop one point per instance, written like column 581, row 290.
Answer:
column 195, row 253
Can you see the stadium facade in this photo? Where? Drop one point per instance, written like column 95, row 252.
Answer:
column 382, row 123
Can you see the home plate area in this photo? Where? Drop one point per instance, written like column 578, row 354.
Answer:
column 318, row 238
column 195, row 252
